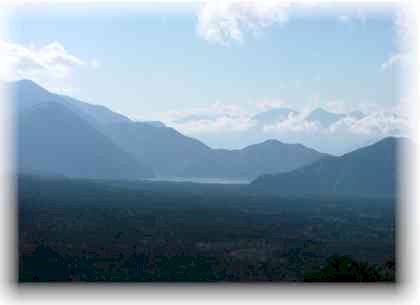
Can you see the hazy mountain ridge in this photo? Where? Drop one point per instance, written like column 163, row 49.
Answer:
column 274, row 115
column 165, row 150
column 324, row 117
column 271, row 156
column 319, row 115
column 26, row 94
column 54, row 140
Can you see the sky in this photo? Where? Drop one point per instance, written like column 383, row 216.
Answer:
column 218, row 64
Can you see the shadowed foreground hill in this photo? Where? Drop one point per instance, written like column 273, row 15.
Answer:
column 372, row 171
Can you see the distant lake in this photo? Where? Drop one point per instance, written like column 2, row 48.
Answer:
column 201, row 180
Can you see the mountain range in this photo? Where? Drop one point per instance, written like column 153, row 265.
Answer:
column 271, row 156
column 60, row 135
column 321, row 116
column 369, row 171
column 54, row 140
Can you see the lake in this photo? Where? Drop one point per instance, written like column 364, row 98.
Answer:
column 201, row 180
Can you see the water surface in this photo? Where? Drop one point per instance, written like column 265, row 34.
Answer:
column 201, row 180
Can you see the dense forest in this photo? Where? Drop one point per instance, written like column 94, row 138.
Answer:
column 91, row 230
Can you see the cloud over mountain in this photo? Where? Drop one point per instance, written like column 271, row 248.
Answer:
column 50, row 65
column 216, row 118
column 52, row 59
column 230, row 126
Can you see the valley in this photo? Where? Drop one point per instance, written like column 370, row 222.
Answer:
column 78, row 230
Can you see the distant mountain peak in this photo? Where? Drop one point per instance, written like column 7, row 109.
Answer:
column 26, row 82
column 28, row 85
column 321, row 110
column 272, row 141
column 274, row 115
column 53, row 139
column 154, row 123
column 357, row 114
column 28, row 94
column 324, row 117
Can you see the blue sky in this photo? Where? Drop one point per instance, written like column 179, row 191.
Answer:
column 147, row 61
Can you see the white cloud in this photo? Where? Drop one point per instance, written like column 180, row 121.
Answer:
column 215, row 118
column 337, row 106
column 224, row 21
column 295, row 123
column 382, row 123
column 219, row 22
column 404, row 38
column 227, row 125
column 225, row 118
column 216, row 109
column 342, row 126
column 51, row 65
column 394, row 59
column 52, row 59
column 219, row 125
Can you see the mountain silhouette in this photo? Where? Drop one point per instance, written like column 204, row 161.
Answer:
column 26, row 94
column 271, row 156
column 149, row 146
column 54, row 140
column 166, row 150
column 371, row 171
column 357, row 115
column 154, row 123
column 274, row 115
column 323, row 117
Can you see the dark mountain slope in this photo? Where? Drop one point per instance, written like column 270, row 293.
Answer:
column 372, row 170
